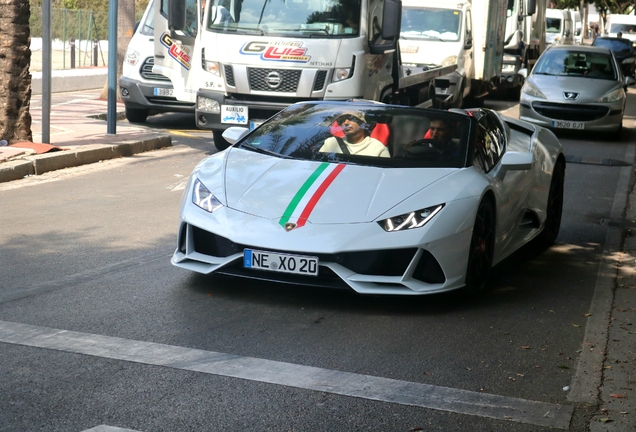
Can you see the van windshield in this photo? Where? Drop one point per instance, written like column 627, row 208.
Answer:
column 553, row 25
column 429, row 23
column 148, row 26
column 285, row 17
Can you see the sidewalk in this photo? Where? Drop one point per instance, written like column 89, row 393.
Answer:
column 78, row 133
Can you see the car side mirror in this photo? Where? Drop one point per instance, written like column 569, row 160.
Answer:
column 234, row 134
column 523, row 72
column 469, row 42
column 629, row 81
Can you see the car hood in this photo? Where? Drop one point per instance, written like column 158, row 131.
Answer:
column 275, row 188
column 589, row 89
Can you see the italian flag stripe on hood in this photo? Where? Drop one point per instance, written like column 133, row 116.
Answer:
column 310, row 193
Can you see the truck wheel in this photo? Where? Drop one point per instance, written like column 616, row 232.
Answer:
column 136, row 115
column 219, row 141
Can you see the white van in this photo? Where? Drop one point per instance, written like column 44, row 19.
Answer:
column 143, row 91
column 559, row 27
column 625, row 24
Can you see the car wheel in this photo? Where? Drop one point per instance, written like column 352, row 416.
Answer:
column 482, row 245
column 219, row 141
column 554, row 208
column 136, row 115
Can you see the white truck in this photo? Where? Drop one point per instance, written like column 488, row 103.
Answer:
column 625, row 24
column 241, row 61
column 141, row 90
column 525, row 42
column 559, row 27
column 469, row 34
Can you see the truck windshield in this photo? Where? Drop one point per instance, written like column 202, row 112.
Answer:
column 553, row 25
column 429, row 23
column 364, row 134
column 285, row 17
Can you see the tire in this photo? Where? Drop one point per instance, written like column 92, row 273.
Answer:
column 136, row 115
column 482, row 247
column 554, row 208
column 219, row 141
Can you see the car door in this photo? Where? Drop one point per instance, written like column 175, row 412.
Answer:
column 174, row 50
column 511, row 188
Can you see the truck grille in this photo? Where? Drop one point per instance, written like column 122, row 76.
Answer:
column 572, row 112
column 273, row 80
column 229, row 75
column 146, row 71
column 321, row 76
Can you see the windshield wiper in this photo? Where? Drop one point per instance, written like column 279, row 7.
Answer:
column 243, row 30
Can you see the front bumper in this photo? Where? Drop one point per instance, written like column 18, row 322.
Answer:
column 141, row 95
column 595, row 116
column 361, row 257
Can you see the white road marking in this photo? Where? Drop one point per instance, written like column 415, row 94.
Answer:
column 292, row 375
column 106, row 428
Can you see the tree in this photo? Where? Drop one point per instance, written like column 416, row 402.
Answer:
column 15, row 79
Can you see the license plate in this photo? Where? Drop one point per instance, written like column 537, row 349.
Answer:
column 234, row 114
column 163, row 91
column 283, row 263
column 562, row 124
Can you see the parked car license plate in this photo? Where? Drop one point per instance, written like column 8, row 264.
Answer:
column 163, row 91
column 283, row 263
column 562, row 124
column 234, row 114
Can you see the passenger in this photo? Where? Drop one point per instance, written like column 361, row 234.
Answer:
column 596, row 70
column 357, row 140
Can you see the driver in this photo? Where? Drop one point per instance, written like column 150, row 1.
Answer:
column 439, row 138
column 357, row 140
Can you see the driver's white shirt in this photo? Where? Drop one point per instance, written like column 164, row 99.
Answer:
column 367, row 147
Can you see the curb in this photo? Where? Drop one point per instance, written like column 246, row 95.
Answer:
column 40, row 164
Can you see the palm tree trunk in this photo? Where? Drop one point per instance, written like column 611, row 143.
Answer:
column 15, row 79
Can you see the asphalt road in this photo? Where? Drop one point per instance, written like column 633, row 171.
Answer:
column 86, row 272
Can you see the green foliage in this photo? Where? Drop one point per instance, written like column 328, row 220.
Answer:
column 67, row 24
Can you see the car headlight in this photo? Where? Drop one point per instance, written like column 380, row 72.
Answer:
column 341, row 74
column 132, row 57
column 532, row 90
column 449, row 61
column 613, row 96
column 202, row 197
column 410, row 220
column 629, row 60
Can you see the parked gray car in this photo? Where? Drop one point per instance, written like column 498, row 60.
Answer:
column 576, row 87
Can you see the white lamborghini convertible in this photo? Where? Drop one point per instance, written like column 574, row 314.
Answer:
column 377, row 198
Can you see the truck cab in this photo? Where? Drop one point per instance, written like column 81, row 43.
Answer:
column 440, row 32
column 559, row 27
column 524, row 44
column 625, row 24
column 142, row 90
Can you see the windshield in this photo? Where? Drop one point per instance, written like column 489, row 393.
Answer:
column 148, row 26
column 623, row 28
column 285, row 17
column 576, row 63
column 616, row 45
column 364, row 134
column 553, row 25
column 428, row 23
